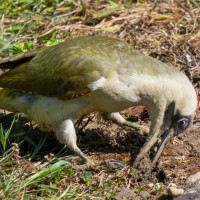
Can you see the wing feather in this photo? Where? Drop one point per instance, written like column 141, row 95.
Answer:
column 68, row 69
column 55, row 71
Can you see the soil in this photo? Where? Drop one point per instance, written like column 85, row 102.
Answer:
column 179, row 160
column 105, row 143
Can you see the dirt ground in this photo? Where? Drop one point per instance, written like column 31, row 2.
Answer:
column 179, row 160
column 105, row 143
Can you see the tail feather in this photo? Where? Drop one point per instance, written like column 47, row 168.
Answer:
column 13, row 61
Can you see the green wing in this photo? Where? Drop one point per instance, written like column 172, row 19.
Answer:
column 65, row 70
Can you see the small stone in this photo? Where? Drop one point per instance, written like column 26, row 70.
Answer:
column 150, row 185
column 154, row 185
column 194, row 178
column 191, row 194
column 174, row 191
column 124, row 194
column 188, row 58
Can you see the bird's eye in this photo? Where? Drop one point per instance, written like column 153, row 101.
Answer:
column 182, row 123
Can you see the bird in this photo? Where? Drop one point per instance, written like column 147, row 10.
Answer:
column 56, row 85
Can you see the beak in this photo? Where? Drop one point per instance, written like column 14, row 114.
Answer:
column 159, row 146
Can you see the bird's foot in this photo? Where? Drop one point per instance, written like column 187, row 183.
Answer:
column 83, row 166
column 119, row 119
column 143, row 130
column 85, row 161
column 114, row 163
column 84, row 158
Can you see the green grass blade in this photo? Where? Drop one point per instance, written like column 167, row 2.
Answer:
column 42, row 174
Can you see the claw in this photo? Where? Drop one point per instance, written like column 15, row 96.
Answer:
column 113, row 163
column 79, row 153
column 143, row 130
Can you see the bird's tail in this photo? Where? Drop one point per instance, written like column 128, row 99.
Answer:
column 13, row 61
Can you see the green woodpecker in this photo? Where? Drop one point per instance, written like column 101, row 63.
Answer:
column 56, row 85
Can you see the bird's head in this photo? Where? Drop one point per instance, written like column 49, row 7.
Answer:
column 177, row 103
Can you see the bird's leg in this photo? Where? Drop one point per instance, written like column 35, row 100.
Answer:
column 66, row 134
column 117, row 118
column 156, row 117
column 147, row 146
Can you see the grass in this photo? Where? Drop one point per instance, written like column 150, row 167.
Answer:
column 52, row 176
column 4, row 137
